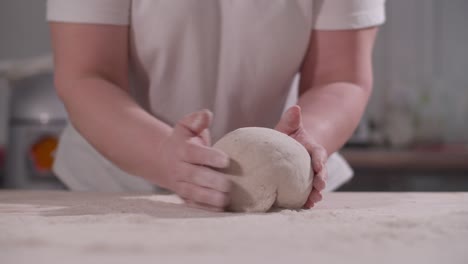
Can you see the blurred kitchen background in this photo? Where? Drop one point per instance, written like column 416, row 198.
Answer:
column 414, row 136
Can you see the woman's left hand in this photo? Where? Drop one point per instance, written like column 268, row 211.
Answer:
column 291, row 124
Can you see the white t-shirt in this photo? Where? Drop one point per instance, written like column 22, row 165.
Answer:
column 236, row 58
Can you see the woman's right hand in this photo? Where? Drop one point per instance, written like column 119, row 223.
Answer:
column 187, row 163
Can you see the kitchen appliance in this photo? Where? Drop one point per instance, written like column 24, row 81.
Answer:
column 37, row 117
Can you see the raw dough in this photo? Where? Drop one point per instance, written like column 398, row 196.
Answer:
column 268, row 168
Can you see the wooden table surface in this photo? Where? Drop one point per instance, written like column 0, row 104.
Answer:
column 67, row 227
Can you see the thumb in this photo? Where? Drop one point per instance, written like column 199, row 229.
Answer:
column 193, row 124
column 291, row 120
column 205, row 136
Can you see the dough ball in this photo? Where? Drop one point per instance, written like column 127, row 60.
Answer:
column 268, row 169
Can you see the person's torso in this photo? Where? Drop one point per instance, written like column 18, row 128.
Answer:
column 236, row 58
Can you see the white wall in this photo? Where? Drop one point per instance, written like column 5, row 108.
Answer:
column 23, row 33
column 422, row 69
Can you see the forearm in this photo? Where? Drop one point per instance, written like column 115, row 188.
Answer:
column 114, row 124
column 331, row 112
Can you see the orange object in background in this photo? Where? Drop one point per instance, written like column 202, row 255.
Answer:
column 42, row 153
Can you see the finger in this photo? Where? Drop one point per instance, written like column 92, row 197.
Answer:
column 309, row 204
column 202, row 155
column 203, row 139
column 291, row 120
column 202, row 195
column 315, row 196
column 206, row 137
column 193, row 124
column 324, row 174
column 319, row 156
column 208, row 178
column 318, row 181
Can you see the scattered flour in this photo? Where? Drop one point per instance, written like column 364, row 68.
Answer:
column 61, row 227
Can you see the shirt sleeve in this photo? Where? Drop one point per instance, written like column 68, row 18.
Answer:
column 348, row 14
column 112, row 12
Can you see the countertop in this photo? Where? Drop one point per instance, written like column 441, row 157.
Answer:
column 69, row 227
